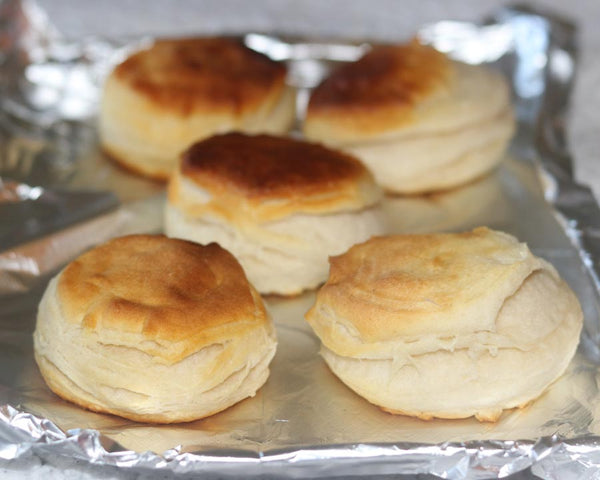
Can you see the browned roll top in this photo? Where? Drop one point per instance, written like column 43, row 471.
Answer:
column 165, row 289
column 268, row 166
column 387, row 76
column 219, row 74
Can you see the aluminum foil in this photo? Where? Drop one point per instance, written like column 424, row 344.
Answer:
column 303, row 422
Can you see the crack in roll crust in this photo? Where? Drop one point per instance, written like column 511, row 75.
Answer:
column 438, row 325
column 280, row 205
column 153, row 329
column 161, row 99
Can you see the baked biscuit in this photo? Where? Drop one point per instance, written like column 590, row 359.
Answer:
column 280, row 205
column 420, row 121
column 446, row 325
column 161, row 99
column 153, row 329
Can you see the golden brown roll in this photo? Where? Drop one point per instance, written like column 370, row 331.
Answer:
column 420, row 121
column 446, row 325
column 163, row 98
column 280, row 205
column 153, row 329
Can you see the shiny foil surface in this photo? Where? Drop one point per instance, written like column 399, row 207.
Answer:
column 303, row 422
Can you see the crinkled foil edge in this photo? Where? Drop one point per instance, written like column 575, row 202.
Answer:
column 24, row 434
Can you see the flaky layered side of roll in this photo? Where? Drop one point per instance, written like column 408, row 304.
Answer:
column 163, row 98
column 420, row 121
column 155, row 330
column 446, row 325
column 280, row 205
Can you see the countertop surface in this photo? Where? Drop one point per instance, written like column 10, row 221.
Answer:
column 377, row 19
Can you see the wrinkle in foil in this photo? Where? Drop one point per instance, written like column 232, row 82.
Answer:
column 304, row 422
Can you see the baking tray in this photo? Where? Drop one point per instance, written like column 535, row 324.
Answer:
column 303, row 422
